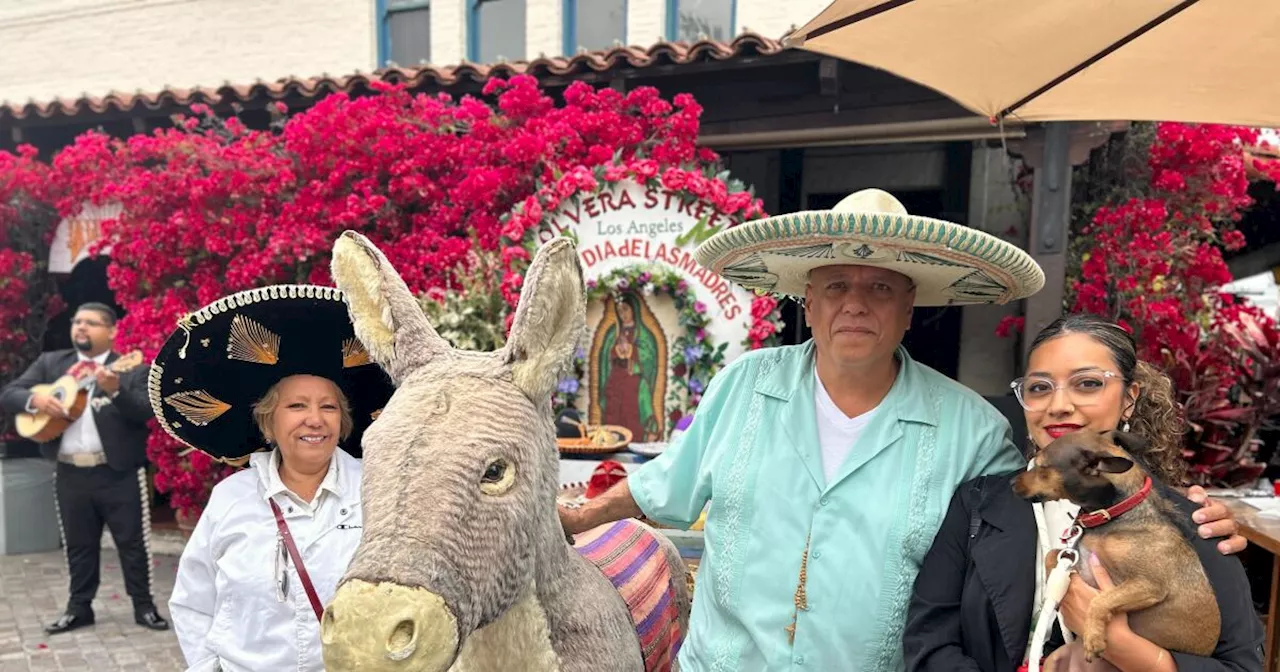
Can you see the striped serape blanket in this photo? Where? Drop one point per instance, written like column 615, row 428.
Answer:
column 628, row 553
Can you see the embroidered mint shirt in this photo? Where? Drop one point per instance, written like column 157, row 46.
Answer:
column 753, row 453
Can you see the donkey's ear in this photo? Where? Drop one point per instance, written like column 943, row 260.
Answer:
column 549, row 321
column 387, row 319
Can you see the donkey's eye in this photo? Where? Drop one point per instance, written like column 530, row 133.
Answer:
column 498, row 477
column 494, row 472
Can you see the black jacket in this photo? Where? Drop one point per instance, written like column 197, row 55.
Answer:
column 121, row 422
column 971, row 607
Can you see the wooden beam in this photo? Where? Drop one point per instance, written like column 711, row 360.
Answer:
column 1050, row 227
column 797, row 133
column 670, row 69
column 1052, row 151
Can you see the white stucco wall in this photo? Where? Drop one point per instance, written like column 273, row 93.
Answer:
column 64, row 48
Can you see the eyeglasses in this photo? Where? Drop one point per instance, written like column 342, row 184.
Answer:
column 1084, row 389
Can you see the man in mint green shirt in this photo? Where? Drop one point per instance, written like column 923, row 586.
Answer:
column 827, row 466
column 755, row 446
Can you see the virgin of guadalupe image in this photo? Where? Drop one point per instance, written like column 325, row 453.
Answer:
column 628, row 365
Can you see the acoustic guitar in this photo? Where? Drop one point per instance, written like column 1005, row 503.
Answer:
column 72, row 395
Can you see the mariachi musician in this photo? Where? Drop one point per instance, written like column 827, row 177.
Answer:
column 101, row 474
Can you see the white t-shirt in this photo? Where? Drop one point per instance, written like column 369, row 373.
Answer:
column 837, row 432
column 82, row 435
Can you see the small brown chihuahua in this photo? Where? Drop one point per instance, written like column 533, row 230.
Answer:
column 1159, row 581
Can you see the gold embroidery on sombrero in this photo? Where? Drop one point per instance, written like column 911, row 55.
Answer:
column 236, row 462
column 822, row 251
column 930, row 259
column 353, row 353
column 252, row 342
column 197, row 406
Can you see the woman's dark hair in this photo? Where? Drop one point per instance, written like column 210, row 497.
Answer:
column 1156, row 415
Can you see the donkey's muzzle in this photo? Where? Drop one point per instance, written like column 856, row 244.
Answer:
column 386, row 626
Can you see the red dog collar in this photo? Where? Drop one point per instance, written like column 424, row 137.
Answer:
column 1108, row 514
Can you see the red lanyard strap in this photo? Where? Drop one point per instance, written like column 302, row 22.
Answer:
column 297, row 560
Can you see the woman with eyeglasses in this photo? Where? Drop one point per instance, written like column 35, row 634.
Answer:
column 978, row 594
column 273, row 378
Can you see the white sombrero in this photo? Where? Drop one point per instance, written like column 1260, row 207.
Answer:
column 950, row 264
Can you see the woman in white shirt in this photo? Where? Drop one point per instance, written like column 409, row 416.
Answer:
column 276, row 378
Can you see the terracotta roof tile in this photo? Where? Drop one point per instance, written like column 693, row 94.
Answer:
column 662, row 53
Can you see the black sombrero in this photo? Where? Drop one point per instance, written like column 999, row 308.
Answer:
column 224, row 357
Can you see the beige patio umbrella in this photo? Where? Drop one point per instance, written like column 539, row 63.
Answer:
column 1209, row 61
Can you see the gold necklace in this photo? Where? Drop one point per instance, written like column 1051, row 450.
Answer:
column 801, row 597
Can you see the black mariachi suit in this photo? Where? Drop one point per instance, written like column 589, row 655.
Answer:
column 114, row 493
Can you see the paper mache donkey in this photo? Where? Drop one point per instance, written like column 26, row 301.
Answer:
column 463, row 563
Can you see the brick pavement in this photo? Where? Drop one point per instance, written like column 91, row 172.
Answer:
column 33, row 591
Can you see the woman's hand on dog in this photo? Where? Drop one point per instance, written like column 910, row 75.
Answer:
column 1075, row 606
column 1070, row 658
column 1125, row 648
column 1215, row 521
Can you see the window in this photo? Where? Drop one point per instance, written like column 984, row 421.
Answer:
column 594, row 24
column 495, row 30
column 405, row 37
column 693, row 20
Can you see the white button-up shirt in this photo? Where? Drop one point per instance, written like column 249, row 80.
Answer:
column 226, row 608
column 82, row 435
column 288, row 501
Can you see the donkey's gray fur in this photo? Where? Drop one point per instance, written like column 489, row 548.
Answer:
column 518, row 595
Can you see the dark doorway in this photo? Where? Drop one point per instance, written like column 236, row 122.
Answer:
column 934, row 337
column 924, row 202
column 86, row 282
